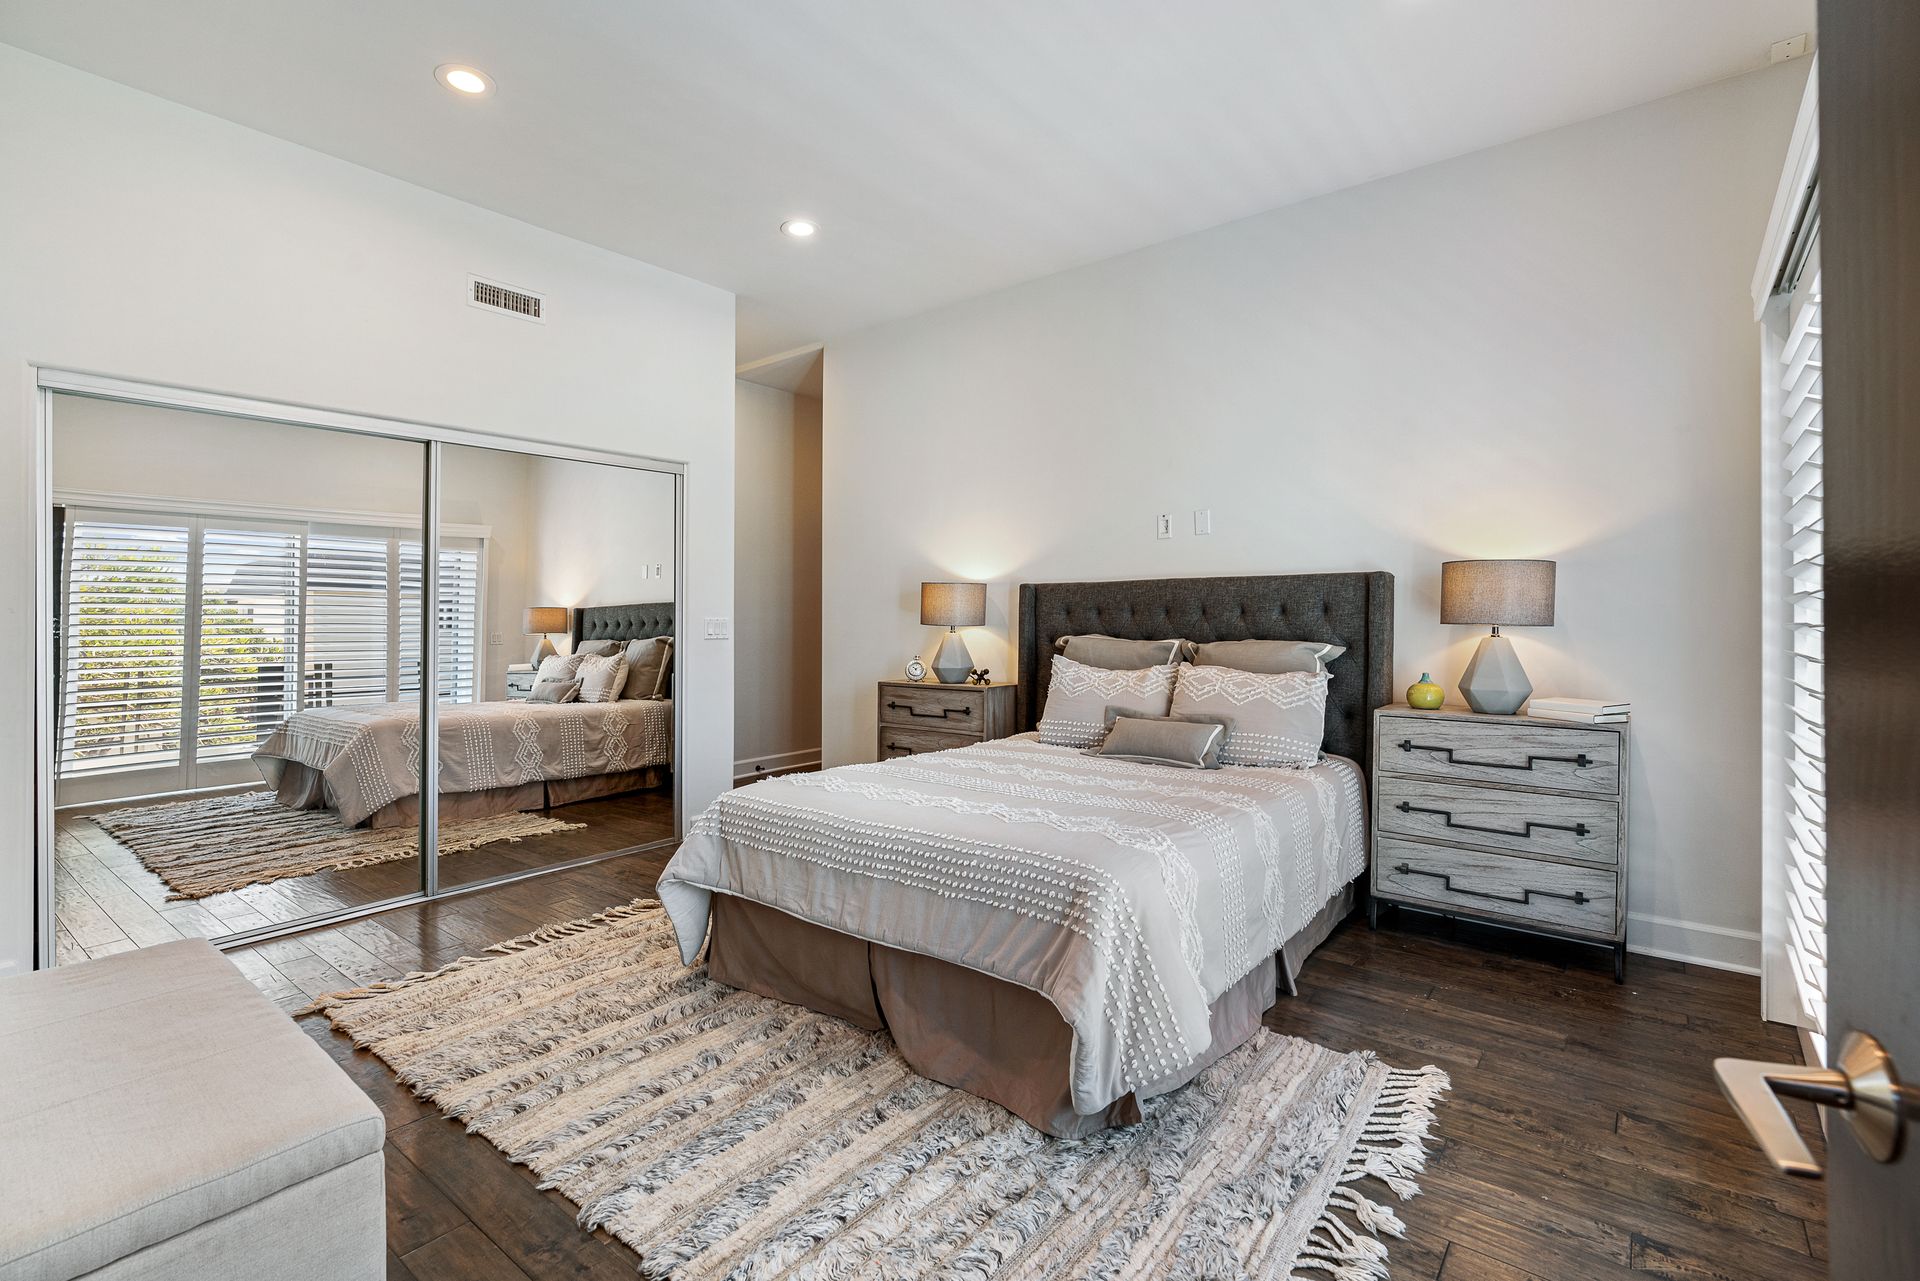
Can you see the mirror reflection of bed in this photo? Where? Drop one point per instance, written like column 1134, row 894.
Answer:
column 240, row 653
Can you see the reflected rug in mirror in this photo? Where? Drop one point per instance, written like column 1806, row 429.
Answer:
column 724, row 1135
column 220, row 843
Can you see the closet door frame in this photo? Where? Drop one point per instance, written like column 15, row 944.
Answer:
column 50, row 382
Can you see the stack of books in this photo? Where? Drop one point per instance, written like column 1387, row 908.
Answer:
column 1581, row 711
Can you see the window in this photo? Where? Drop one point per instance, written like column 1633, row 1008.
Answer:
column 289, row 615
column 1795, row 316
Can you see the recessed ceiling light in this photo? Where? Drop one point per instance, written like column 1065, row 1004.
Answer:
column 470, row 81
column 799, row 228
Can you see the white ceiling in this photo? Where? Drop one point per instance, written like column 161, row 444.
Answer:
column 947, row 149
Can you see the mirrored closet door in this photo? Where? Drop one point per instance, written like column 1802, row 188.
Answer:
column 243, row 615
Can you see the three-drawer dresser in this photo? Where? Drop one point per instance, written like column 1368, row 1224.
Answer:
column 916, row 718
column 1514, row 820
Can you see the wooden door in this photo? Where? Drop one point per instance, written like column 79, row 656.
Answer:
column 1870, row 253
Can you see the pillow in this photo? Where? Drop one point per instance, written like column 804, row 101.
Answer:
column 1266, row 655
column 1168, row 740
column 602, row 678
column 598, row 648
column 555, row 691
column 1279, row 718
column 649, row 668
column 560, row 667
column 1078, row 696
column 1119, row 655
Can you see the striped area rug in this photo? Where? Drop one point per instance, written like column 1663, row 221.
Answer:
column 724, row 1135
column 220, row 843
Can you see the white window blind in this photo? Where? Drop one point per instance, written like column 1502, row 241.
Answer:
column 249, row 638
column 1806, row 749
column 125, row 634
column 457, row 621
column 353, row 610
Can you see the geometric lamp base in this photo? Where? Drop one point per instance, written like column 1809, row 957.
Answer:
column 953, row 664
column 1494, row 682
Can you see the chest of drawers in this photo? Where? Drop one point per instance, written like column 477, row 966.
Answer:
column 916, row 718
column 1514, row 820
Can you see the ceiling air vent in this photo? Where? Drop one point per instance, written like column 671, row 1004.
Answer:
column 494, row 296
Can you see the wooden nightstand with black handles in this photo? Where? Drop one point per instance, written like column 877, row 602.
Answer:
column 1518, row 821
column 916, row 718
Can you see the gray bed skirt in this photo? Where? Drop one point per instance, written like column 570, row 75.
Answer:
column 964, row 1028
column 303, row 788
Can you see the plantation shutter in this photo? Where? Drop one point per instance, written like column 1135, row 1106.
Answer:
column 1806, row 755
column 250, row 595
column 125, row 642
column 457, row 620
column 349, row 620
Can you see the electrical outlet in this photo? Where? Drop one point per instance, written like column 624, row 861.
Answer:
column 1203, row 520
column 1782, row 50
column 1163, row 526
column 719, row 628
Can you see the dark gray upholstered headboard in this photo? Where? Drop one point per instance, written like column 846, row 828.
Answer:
column 1355, row 610
column 622, row 622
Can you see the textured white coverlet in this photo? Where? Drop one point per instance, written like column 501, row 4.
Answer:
column 1130, row 895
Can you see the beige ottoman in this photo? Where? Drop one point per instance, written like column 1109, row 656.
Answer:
column 163, row 1119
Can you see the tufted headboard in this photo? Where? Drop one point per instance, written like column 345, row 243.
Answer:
column 622, row 622
column 1355, row 610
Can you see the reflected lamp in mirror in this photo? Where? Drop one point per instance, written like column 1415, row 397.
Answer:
column 543, row 621
column 953, row 606
column 1497, row 593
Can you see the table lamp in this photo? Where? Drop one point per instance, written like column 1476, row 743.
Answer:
column 543, row 621
column 953, row 606
column 1498, row 593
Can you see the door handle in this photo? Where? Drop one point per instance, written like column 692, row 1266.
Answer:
column 1864, row 1089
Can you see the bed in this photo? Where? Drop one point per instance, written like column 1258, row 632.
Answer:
column 363, row 761
column 1064, row 934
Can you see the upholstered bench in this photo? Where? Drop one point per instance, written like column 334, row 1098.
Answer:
column 162, row 1119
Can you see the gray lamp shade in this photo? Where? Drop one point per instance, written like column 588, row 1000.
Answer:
column 542, row 619
column 1503, row 593
column 953, row 604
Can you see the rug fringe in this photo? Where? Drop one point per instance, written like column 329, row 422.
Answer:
column 545, row 934
column 1392, row 1149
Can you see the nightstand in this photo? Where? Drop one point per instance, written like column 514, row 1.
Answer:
column 1514, row 820
column 520, row 681
column 916, row 718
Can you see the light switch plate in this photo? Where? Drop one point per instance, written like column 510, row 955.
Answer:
column 1203, row 520
column 719, row 628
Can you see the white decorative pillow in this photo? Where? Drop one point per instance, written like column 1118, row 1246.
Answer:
column 1278, row 718
column 602, row 677
column 1078, row 697
column 554, row 675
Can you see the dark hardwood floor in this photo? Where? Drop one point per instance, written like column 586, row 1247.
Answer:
column 104, row 901
column 1583, row 1138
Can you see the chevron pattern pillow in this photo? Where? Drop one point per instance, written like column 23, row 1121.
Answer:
column 1278, row 718
column 1078, row 697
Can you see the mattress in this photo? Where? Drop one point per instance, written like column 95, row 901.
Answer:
column 1130, row 896
column 367, row 756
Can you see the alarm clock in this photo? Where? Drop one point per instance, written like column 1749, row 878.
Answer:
column 916, row 670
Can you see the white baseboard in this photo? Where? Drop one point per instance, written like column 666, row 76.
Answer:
column 1715, row 946
column 756, row 766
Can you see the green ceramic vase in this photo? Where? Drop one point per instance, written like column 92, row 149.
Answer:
column 1424, row 694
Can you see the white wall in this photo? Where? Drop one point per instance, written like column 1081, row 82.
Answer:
column 601, row 536
column 776, row 544
column 1543, row 349
column 146, row 240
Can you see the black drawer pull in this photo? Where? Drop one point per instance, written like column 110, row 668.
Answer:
column 928, row 716
column 1526, row 896
column 895, row 747
column 1578, row 762
column 1578, row 829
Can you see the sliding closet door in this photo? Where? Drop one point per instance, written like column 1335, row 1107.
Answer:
column 237, row 649
column 555, row 619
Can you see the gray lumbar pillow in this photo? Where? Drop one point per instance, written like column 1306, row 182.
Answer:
column 1267, row 656
column 555, row 691
column 598, row 648
column 1167, row 740
column 1118, row 655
